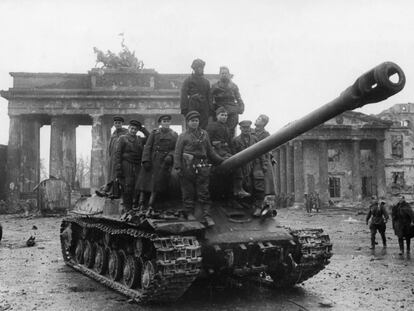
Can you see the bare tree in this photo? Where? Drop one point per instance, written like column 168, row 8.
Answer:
column 83, row 172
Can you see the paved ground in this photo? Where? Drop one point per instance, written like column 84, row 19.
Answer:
column 36, row 278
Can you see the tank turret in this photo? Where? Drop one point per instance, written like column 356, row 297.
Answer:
column 157, row 257
column 373, row 86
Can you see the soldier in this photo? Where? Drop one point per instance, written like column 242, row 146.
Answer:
column 379, row 218
column 308, row 205
column 225, row 93
column 157, row 160
column 402, row 222
column 119, row 131
column 193, row 153
column 221, row 138
column 260, row 133
column 253, row 172
column 128, row 155
column 195, row 93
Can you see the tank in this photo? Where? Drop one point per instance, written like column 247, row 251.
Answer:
column 157, row 257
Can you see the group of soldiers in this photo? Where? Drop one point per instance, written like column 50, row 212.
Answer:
column 312, row 202
column 143, row 165
column 402, row 222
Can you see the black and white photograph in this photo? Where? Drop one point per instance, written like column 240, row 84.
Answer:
column 229, row 155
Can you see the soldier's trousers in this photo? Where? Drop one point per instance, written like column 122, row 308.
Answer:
column 232, row 121
column 381, row 229
column 194, row 187
column 130, row 173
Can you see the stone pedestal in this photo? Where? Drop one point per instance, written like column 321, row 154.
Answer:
column 298, row 170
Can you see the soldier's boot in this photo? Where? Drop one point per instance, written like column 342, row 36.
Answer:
column 408, row 245
column 372, row 242
column 384, row 240
column 151, row 201
column 238, row 190
column 141, row 201
column 401, row 244
column 207, row 220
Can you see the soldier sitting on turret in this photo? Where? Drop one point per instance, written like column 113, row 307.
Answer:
column 193, row 154
column 157, row 161
column 252, row 172
column 221, row 141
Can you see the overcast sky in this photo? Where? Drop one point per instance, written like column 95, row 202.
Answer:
column 287, row 57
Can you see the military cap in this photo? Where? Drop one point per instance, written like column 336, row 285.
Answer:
column 198, row 63
column 224, row 68
column 191, row 115
column 265, row 118
column 220, row 110
column 135, row 123
column 164, row 117
column 118, row 118
column 245, row 123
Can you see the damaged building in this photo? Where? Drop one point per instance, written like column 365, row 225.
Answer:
column 340, row 160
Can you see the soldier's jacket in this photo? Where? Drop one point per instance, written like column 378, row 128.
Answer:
column 220, row 137
column 242, row 142
column 159, row 144
column 402, row 217
column 195, row 143
column 260, row 134
column 129, row 148
column 195, row 95
column 378, row 214
column 111, row 150
column 228, row 96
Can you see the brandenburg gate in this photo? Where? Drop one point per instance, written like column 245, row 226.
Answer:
column 66, row 100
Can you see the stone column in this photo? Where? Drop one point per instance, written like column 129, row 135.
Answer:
column 356, row 170
column 298, row 170
column 13, row 160
column 97, row 170
column 380, row 166
column 63, row 149
column 289, row 170
column 30, row 154
column 283, row 181
column 323, row 172
column 107, row 123
column 276, row 178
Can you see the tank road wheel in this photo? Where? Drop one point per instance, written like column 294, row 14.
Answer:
column 101, row 259
column 80, row 246
column 115, row 265
column 132, row 271
column 89, row 254
column 147, row 275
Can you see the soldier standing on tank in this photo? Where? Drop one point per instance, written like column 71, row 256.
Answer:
column 225, row 93
column 157, row 161
column 119, row 131
column 193, row 153
column 379, row 217
column 221, row 141
column 128, row 155
column 195, row 93
column 403, row 222
column 254, row 171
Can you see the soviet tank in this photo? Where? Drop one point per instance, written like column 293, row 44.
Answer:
column 157, row 257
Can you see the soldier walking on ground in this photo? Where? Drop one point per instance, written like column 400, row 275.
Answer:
column 402, row 222
column 195, row 93
column 193, row 153
column 128, row 155
column 379, row 217
column 253, row 172
column 157, row 161
column 225, row 93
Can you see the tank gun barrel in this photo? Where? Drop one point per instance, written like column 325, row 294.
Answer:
column 372, row 87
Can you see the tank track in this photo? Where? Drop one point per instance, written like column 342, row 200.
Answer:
column 176, row 260
column 315, row 252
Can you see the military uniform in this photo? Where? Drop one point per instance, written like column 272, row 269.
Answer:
column 195, row 97
column 227, row 95
column 111, row 151
column 402, row 217
column 159, row 151
column 253, row 172
column 128, row 156
column 220, row 138
column 192, row 154
column 379, row 217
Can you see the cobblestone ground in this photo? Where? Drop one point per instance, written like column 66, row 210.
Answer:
column 35, row 278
